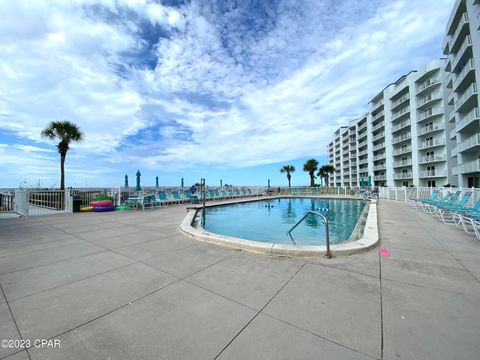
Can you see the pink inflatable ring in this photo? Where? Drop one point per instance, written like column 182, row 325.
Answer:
column 101, row 203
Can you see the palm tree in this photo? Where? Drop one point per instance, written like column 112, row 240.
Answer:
column 311, row 166
column 66, row 132
column 288, row 169
column 322, row 174
column 325, row 171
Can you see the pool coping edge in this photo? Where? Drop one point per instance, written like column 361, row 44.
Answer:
column 368, row 241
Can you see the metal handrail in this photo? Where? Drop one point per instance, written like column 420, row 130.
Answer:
column 327, row 235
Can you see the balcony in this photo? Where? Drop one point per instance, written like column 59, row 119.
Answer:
column 361, row 153
column 400, row 126
column 471, row 117
column 377, row 104
column 430, row 144
column 400, row 176
column 378, row 126
column 430, row 128
column 432, row 159
column 426, row 100
column 362, row 144
column 453, row 134
column 402, row 163
column 379, row 157
column 451, row 117
column 470, row 66
column 433, row 173
column 362, row 135
column 379, row 146
column 469, row 143
column 379, row 136
column 378, row 115
column 402, row 150
column 400, row 100
column 430, row 113
column 458, row 56
column 401, row 138
column 461, row 24
column 430, row 83
column 363, row 161
column 468, row 167
column 379, row 177
column 401, row 113
column 361, row 127
column 454, row 152
column 380, row 167
column 471, row 91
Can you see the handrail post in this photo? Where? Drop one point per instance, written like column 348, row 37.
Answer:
column 327, row 232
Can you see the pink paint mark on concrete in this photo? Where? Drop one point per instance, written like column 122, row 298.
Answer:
column 384, row 252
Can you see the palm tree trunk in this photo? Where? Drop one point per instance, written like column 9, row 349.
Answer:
column 62, row 171
column 312, row 181
column 326, row 180
column 289, row 178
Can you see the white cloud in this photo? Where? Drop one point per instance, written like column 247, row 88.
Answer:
column 231, row 87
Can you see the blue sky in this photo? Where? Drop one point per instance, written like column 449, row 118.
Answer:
column 226, row 90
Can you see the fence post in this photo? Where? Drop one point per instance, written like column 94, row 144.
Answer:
column 68, row 206
column 396, row 193
column 405, row 194
column 21, row 203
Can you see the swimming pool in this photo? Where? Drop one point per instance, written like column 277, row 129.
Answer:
column 269, row 220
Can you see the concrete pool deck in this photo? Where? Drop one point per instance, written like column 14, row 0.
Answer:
column 129, row 285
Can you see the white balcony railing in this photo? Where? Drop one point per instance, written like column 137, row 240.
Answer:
column 433, row 173
column 379, row 136
column 468, row 167
column 453, row 134
column 430, row 113
column 427, row 84
column 466, row 69
column 402, row 125
column 401, row 112
column 471, row 90
column 473, row 115
column 427, row 99
column 379, row 146
column 402, row 150
column 378, row 126
column 407, row 175
column 428, row 129
column 402, row 137
column 458, row 56
column 380, row 167
column 400, row 100
column 379, row 157
column 432, row 143
column 402, row 163
column 378, row 115
column 468, row 143
column 463, row 21
column 432, row 158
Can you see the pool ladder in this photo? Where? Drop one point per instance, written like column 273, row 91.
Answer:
column 327, row 235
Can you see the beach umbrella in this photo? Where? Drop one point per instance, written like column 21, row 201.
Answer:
column 369, row 181
column 182, row 183
column 221, row 183
column 138, row 188
column 361, row 183
column 126, row 181
column 268, row 184
column 156, row 181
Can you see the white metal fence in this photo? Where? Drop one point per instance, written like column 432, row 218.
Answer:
column 407, row 193
column 33, row 202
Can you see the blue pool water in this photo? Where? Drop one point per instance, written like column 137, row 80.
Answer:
column 270, row 220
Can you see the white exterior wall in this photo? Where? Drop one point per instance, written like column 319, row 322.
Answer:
column 462, row 47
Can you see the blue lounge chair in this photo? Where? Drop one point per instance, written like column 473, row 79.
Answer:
column 449, row 199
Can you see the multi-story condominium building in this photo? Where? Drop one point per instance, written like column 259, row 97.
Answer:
column 403, row 140
column 461, row 45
